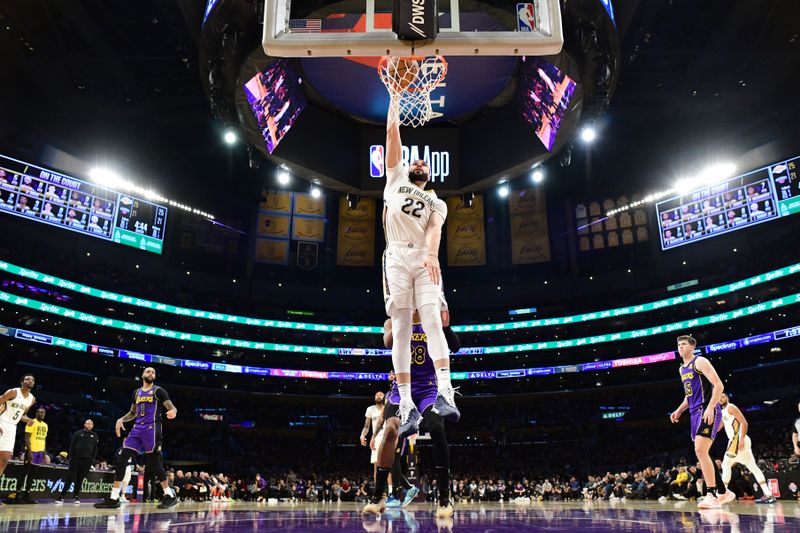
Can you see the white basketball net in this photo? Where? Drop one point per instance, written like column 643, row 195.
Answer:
column 410, row 81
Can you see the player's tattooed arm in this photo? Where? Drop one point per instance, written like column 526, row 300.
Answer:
column 172, row 411
column 127, row 417
column 365, row 431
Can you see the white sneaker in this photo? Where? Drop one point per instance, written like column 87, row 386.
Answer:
column 680, row 497
column 123, row 499
column 709, row 502
column 662, row 499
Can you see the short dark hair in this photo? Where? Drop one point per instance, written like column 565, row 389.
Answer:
column 25, row 376
column 688, row 338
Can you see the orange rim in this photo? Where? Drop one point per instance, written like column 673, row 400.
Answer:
column 433, row 83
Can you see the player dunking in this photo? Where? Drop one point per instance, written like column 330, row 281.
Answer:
column 14, row 405
column 740, row 448
column 412, row 221
column 423, row 376
column 148, row 402
column 705, row 421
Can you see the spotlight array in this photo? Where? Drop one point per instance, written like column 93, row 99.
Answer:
column 110, row 179
column 710, row 176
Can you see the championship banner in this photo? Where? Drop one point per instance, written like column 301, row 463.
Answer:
column 272, row 251
column 466, row 238
column 276, row 202
column 308, row 229
column 356, row 237
column 273, row 226
column 308, row 206
column 530, row 240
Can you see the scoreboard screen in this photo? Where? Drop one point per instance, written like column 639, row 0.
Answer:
column 758, row 196
column 45, row 196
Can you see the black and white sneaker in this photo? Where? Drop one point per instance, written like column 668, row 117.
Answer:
column 409, row 420
column 168, row 502
column 76, row 501
column 107, row 503
column 58, row 501
column 445, row 405
column 767, row 499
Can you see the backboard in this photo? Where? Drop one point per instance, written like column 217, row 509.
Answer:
column 300, row 28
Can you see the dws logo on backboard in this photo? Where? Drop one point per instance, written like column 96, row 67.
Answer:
column 439, row 161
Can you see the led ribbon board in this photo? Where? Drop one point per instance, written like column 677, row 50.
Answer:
column 28, row 303
column 43, row 338
column 331, row 328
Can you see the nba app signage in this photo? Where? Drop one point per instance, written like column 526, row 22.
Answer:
column 439, row 162
column 438, row 147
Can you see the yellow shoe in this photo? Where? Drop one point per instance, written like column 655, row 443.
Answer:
column 444, row 511
column 375, row 507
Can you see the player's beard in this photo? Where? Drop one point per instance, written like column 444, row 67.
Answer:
column 418, row 176
column 148, row 380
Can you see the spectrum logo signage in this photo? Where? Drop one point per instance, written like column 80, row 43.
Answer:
column 439, row 161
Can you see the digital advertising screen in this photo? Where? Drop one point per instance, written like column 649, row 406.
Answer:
column 45, row 196
column 277, row 98
column 543, row 94
column 759, row 196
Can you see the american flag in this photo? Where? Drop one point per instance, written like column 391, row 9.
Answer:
column 305, row 25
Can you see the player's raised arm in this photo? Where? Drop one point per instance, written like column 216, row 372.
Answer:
column 394, row 145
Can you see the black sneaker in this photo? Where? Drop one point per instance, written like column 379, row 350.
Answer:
column 76, row 501
column 107, row 503
column 169, row 502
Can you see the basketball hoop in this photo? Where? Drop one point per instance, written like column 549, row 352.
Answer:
column 410, row 81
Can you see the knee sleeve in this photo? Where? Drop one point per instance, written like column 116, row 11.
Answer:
column 123, row 458
column 432, row 324
column 153, row 464
column 401, row 341
column 441, row 451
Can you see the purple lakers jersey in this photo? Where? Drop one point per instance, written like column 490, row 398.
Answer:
column 148, row 406
column 697, row 394
column 422, row 370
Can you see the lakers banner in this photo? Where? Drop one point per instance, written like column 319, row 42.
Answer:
column 308, row 206
column 530, row 240
column 272, row 251
column 466, row 242
column 308, row 229
column 276, row 201
column 356, row 238
column 273, row 226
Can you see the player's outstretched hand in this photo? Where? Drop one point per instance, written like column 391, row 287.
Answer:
column 674, row 417
column 172, row 413
column 431, row 264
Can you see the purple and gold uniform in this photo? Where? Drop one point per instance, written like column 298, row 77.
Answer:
column 146, row 433
column 423, row 374
column 698, row 394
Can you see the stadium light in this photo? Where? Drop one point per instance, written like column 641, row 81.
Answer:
column 230, row 136
column 709, row 176
column 503, row 190
column 315, row 191
column 588, row 133
column 537, row 176
column 284, row 177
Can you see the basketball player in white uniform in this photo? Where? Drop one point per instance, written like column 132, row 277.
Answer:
column 796, row 434
column 412, row 222
column 740, row 448
column 373, row 419
column 14, row 405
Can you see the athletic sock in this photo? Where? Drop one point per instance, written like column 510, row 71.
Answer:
column 712, row 491
column 381, row 480
column 443, row 379
column 169, row 492
column 765, row 488
column 405, row 393
column 115, row 493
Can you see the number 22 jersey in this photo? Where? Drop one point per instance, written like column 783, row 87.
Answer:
column 407, row 208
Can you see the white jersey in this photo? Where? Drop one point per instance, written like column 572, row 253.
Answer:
column 374, row 414
column 733, row 430
column 797, row 426
column 407, row 208
column 11, row 412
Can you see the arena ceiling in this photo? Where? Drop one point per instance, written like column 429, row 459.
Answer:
column 120, row 82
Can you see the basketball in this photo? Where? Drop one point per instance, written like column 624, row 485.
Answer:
column 402, row 71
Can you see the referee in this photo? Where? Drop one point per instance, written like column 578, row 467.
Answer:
column 82, row 453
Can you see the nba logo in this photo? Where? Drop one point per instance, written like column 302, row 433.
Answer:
column 376, row 161
column 525, row 17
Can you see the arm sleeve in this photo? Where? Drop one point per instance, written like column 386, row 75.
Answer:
column 161, row 395
column 452, row 340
